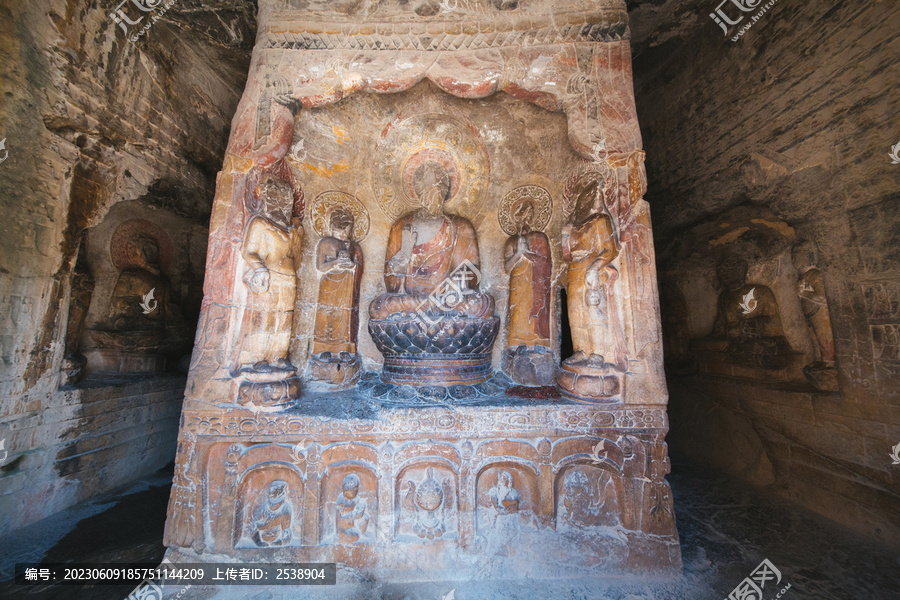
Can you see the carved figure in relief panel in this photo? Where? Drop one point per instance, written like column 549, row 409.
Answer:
column 339, row 260
column 351, row 514
column 271, row 249
column 524, row 212
column 429, row 504
column 588, row 498
column 821, row 373
column 504, row 496
column 270, row 520
column 589, row 246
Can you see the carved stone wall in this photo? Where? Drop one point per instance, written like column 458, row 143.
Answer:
column 775, row 163
column 448, row 463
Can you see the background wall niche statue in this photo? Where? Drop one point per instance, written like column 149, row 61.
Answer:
column 524, row 213
column 748, row 329
column 270, row 247
column 143, row 327
column 339, row 260
column 821, row 373
column 590, row 245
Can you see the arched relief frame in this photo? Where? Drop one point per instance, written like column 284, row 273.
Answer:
column 224, row 529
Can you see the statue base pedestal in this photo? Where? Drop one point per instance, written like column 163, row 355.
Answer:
column 460, row 369
column 269, row 396
column 114, row 361
column 586, row 380
column 335, row 371
column 435, row 350
column 535, row 366
column 512, row 488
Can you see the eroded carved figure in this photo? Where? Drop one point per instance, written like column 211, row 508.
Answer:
column 270, row 521
column 504, row 497
column 270, row 248
column 351, row 511
column 821, row 373
column 589, row 501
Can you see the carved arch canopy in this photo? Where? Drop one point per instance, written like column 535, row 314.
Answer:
column 571, row 56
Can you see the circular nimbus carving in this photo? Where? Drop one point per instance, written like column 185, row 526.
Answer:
column 419, row 140
column 325, row 204
column 511, row 206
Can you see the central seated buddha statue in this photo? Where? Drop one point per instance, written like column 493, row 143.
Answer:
column 433, row 325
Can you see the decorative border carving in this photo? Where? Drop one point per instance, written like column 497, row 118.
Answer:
column 428, row 423
column 451, row 36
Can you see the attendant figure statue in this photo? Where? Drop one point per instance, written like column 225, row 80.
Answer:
column 340, row 261
column 821, row 373
column 271, row 249
column 528, row 261
column 589, row 246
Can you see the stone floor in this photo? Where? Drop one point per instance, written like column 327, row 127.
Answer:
column 727, row 529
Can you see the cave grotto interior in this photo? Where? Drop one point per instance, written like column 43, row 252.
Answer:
column 449, row 299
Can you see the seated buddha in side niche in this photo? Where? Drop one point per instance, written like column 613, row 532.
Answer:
column 747, row 320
